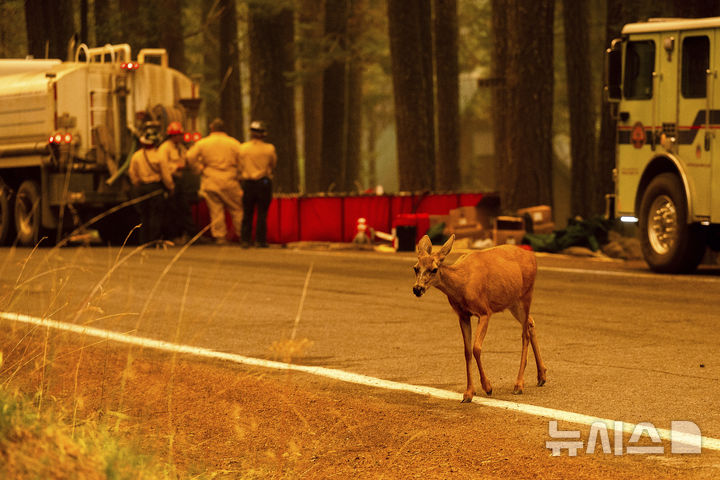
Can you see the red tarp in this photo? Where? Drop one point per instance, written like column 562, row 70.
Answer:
column 334, row 218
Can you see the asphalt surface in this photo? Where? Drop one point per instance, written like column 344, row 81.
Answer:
column 619, row 342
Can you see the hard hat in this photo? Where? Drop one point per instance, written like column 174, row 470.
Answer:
column 257, row 126
column 175, row 128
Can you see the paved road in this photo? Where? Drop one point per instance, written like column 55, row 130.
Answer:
column 619, row 342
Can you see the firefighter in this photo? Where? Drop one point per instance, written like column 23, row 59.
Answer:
column 259, row 160
column 217, row 159
column 179, row 223
column 150, row 174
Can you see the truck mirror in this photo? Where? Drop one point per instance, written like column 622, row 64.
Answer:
column 613, row 71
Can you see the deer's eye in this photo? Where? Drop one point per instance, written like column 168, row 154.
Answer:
column 433, row 270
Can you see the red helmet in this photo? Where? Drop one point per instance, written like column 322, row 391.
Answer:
column 175, row 128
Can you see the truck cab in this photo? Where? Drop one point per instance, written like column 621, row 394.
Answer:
column 662, row 78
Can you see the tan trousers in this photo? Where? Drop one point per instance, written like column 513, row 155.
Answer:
column 220, row 197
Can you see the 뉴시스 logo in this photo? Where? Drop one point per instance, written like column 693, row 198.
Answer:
column 685, row 438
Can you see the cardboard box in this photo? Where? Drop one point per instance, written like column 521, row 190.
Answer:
column 539, row 214
column 508, row 230
column 509, row 223
column 511, row 237
column 462, row 216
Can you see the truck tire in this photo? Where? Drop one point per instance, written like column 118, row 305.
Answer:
column 27, row 213
column 669, row 244
column 7, row 228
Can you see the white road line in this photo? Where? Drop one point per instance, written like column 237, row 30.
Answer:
column 578, row 418
column 616, row 273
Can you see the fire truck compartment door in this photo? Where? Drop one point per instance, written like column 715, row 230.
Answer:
column 697, row 117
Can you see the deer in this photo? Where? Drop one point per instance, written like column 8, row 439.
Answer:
column 480, row 284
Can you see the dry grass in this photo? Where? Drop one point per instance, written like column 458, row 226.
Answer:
column 44, row 436
column 43, row 442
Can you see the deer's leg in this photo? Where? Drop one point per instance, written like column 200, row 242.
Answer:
column 520, row 313
column 541, row 370
column 482, row 327
column 466, row 330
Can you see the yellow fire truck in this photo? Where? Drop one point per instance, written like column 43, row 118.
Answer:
column 67, row 130
column 662, row 76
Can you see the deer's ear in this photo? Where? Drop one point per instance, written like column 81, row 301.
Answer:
column 445, row 250
column 424, row 246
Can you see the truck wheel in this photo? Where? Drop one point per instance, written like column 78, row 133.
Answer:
column 6, row 215
column 669, row 244
column 27, row 213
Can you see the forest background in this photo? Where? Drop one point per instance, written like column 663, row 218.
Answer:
column 427, row 95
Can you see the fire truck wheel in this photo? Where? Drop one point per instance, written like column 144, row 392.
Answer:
column 669, row 244
column 27, row 213
column 6, row 215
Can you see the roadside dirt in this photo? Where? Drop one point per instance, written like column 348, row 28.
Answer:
column 230, row 421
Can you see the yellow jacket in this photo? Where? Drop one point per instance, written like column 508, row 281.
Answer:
column 175, row 155
column 216, row 156
column 148, row 166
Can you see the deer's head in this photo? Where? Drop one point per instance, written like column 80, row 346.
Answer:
column 428, row 264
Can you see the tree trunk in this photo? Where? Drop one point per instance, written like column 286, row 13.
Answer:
column 169, row 28
column 229, row 60
column 334, row 102
column 105, row 25
column 586, row 198
column 311, row 32
column 696, row 8
column 272, row 59
column 132, row 24
column 447, row 77
column 49, row 27
column 354, row 97
column 210, row 85
column 498, row 81
column 371, row 152
column 411, row 51
column 526, row 177
column 354, row 126
column 84, row 22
